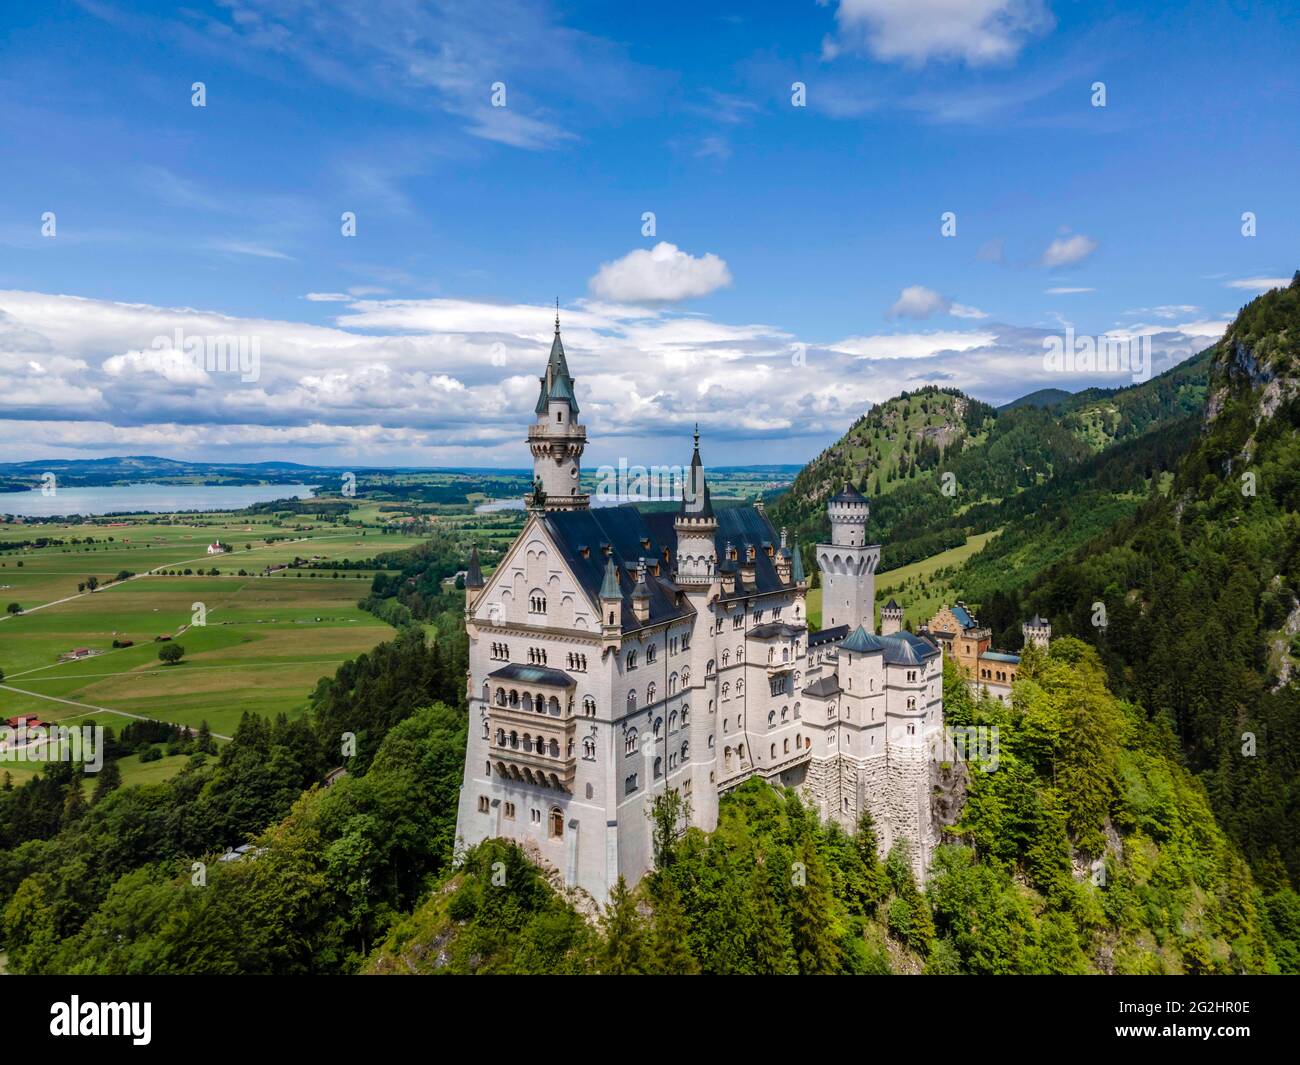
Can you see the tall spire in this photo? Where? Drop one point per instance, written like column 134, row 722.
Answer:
column 696, row 501
column 796, row 568
column 557, row 315
column 557, row 384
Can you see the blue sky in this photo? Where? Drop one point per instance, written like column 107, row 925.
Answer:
column 800, row 271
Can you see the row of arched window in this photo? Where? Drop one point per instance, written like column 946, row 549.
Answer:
column 799, row 744
column 501, row 651
column 785, row 715
column 539, row 745
column 539, row 704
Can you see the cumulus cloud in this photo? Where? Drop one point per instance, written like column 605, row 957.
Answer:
column 453, row 381
column 1067, row 251
column 662, row 274
column 917, row 301
column 913, row 31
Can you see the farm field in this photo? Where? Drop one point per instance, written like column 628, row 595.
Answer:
column 264, row 643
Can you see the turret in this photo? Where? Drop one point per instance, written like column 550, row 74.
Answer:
column 891, row 618
column 611, row 606
column 1037, row 632
column 556, row 439
column 473, row 579
column 696, row 526
column 848, row 563
column 641, row 594
column 783, row 561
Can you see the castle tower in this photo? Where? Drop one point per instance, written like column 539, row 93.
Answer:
column 696, row 526
column 556, row 439
column 891, row 618
column 1038, row 632
column 848, row 564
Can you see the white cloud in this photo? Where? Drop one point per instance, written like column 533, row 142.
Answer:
column 976, row 31
column 1067, row 291
column 1066, row 251
column 1258, row 284
column 663, row 273
column 917, row 301
column 328, row 297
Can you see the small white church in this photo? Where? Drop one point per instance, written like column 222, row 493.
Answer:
column 615, row 654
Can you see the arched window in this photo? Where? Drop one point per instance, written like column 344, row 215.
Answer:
column 659, row 768
column 589, row 749
column 629, row 742
column 727, row 758
column 631, row 701
column 686, row 749
column 686, row 677
column 785, row 749
column 557, row 823
column 589, row 706
column 740, row 654
column 650, row 693
column 631, row 660
column 659, row 725
column 774, row 750
column 672, row 721
column 501, row 737
column 726, row 659
column 771, row 718
column 672, row 684
column 650, row 653
column 686, row 716
column 554, row 705
column 785, row 714
column 501, row 697
column 740, row 687
column 514, row 697
column 797, row 714
column 726, row 691
column 711, row 668
column 553, row 749
column 514, row 740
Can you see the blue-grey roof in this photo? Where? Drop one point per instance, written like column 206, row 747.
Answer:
column 821, row 636
column 474, row 574
column 609, row 583
column 556, row 678
column 696, row 501
column 849, row 495
column 796, row 567
column 774, row 628
column 907, row 649
column 632, row 534
column 863, row 642
column 557, row 384
column 1001, row 656
column 892, row 605
column 963, row 616
column 827, row 685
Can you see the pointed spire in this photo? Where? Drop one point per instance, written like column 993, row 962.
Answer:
column 796, row 569
column 557, row 383
column 609, row 587
column 696, row 501
column 474, row 573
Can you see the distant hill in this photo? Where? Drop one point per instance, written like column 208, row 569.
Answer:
column 1044, row 397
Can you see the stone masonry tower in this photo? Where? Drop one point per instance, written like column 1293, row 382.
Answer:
column 556, row 439
column 1037, row 632
column 848, row 564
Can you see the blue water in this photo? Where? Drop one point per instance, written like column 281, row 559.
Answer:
column 146, row 499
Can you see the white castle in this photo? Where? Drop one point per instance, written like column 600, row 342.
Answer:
column 615, row 654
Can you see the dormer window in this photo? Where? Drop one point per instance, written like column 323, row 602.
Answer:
column 559, row 416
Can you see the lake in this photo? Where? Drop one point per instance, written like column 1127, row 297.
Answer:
column 147, row 499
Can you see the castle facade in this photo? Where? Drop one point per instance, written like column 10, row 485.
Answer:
column 617, row 653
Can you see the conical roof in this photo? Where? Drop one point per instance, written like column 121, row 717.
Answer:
column 557, row 384
column 474, row 572
column 696, row 501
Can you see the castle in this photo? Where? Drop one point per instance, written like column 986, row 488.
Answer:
column 616, row 653
column 970, row 644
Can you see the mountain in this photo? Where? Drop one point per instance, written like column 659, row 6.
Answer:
column 1200, row 590
column 939, row 466
column 1044, row 397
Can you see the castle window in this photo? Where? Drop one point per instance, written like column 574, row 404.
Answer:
column 911, row 703
column 589, row 751
column 631, row 660
column 785, row 746
column 535, row 816
column 726, row 692
column 650, row 653
column 659, row 724
column 686, row 749
column 557, row 823
column 727, row 759
column 718, row 626
column 501, row 737
column 508, row 811
column 686, row 644
column 771, row 718
column 659, row 768
column 712, row 745
column 738, row 622
column 501, row 697
column 650, row 693
column 629, row 785
column 629, row 742
column 484, row 804
column 740, row 687
column 589, row 706
column 672, row 721
column 726, row 659
column 774, row 750
column 537, row 603
column 797, row 713
column 514, row 740
column 672, row 684
column 686, row 676
column 785, row 714
column 591, row 792
column 631, row 701
column 686, row 716
column 672, row 761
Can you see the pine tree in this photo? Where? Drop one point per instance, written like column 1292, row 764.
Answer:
column 74, row 803
column 773, row 950
column 625, row 949
column 811, row 906
column 669, row 954
column 109, row 778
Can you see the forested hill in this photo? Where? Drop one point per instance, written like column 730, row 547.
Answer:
column 1201, row 590
column 905, row 452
